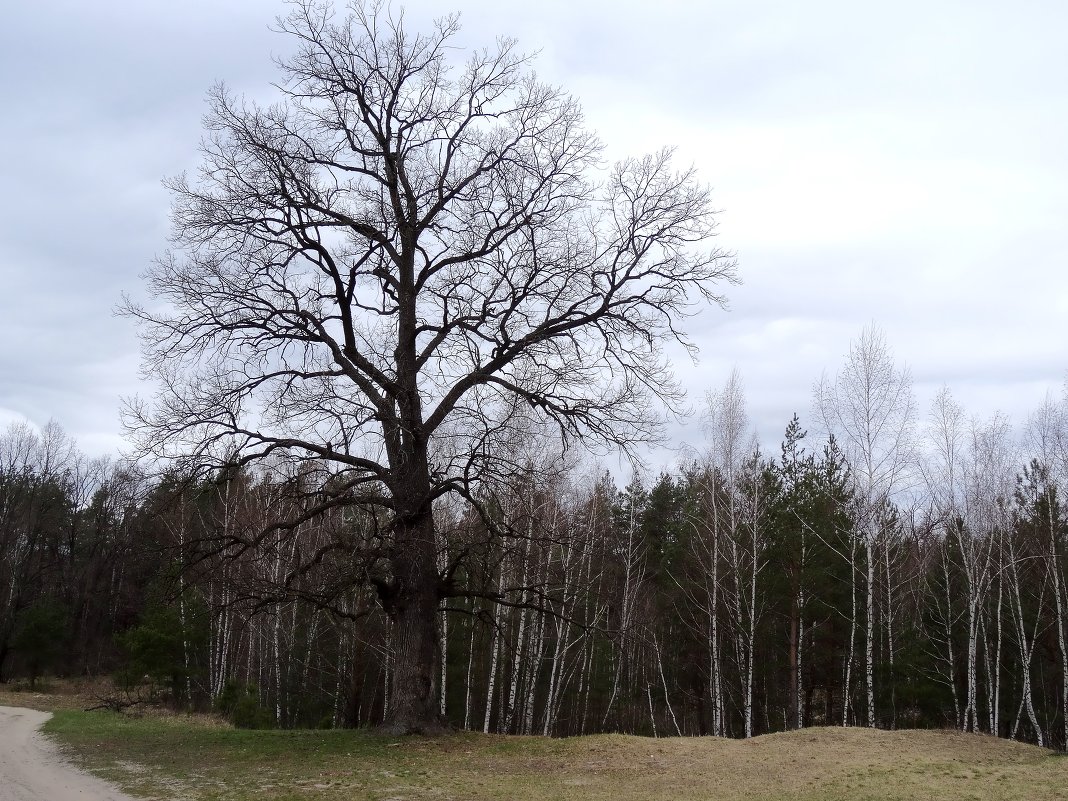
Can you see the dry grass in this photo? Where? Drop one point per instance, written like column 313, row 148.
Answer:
column 52, row 694
column 184, row 758
column 167, row 756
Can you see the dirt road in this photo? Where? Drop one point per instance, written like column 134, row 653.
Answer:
column 31, row 769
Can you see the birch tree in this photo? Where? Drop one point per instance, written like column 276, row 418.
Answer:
column 869, row 407
column 758, row 491
column 726, row 425
column 987, row 519
column 1047, row 438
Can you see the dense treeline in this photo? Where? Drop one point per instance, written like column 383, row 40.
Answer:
column 71, row 534
column 744, row 592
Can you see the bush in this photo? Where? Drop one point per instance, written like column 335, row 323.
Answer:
column 241, row 704
column 161, row 651
column 41, row 637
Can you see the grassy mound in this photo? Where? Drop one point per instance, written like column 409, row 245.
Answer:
column 198, row 759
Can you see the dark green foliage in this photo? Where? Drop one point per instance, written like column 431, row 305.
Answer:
column 42, row 637
column 909, row 691
column 241, row 704
column 163, row 648
column 94, row 586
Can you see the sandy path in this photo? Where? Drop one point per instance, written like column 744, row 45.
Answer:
column 32, row 769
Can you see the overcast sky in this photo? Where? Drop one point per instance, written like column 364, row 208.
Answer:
column 899, row 163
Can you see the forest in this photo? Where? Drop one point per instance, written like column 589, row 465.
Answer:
column 897, row 569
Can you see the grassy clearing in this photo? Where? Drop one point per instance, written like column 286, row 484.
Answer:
column 182, row 758
column 199, row 758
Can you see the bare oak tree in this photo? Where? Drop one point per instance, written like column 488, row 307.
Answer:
column 394, row 270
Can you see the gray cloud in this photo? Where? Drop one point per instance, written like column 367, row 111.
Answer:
column 902, row 164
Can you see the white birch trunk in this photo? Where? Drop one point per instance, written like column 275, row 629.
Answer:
column 995, row 718
column 889, row 616
column 1026, row 649
column 951, row 673
column 847, row 684
column 800, row 653
column 632, row 576
column 444, row 662
column 520, row 644
column 716, row 681
column 495, row 651
column 532, row 675
column 470, row 663
column 663, row 683
column 1055, row 570
column 649, row 696
column 869, row 657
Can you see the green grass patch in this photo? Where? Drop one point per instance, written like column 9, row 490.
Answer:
column 190, row 758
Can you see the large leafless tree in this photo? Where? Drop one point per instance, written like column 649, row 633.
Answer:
column 396, row 269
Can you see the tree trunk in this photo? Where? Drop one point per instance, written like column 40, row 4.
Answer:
column 793, row 685
column 508, row 713
column 664, row 684
column 951, row 672
column 995, row 716
column 444, row 651
column 1026, row 648
column 412, row 602
column 495, row 653
column 799, row 676
column 848, row 671
column 413, row 689
column 470, row 664
column 890, row 606
column 1055, row 569
column 869, row 660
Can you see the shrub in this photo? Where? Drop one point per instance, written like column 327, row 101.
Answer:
column 241, row 704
